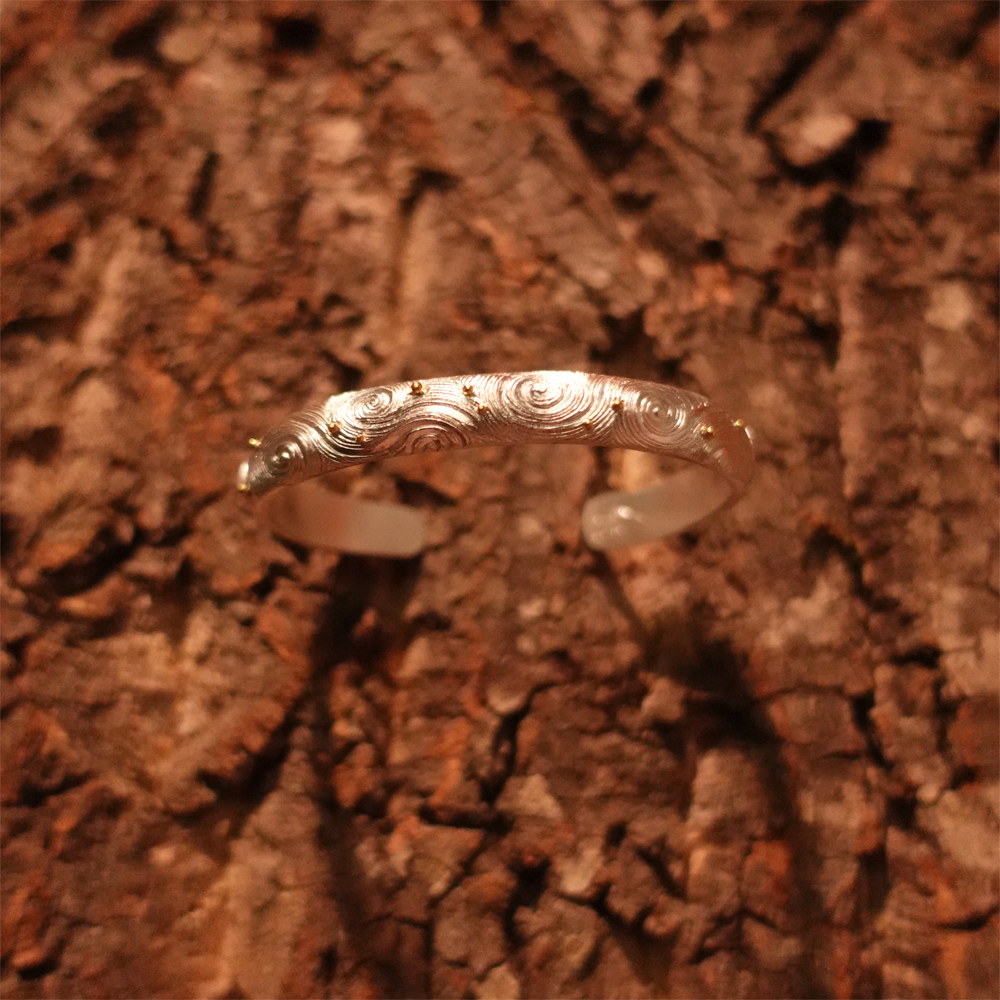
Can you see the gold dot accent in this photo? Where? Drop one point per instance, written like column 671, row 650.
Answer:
column 417, row 388
column 707, row 431
column 334, row 428
column 254, row 442
column 481, row 408
column 617, row 405
column 588, row 423
column 739, row 423
column 361, row 438
column 243, row 488
column 468, row 389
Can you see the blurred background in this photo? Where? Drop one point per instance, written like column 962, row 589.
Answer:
column 760, row 759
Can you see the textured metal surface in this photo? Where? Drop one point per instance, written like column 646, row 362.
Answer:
column 555, row 407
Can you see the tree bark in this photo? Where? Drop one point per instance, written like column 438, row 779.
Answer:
column 760, row 759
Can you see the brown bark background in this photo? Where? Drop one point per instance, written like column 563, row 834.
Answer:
column 757, row 760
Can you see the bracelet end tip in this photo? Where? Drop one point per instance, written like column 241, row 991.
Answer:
column 243, row 477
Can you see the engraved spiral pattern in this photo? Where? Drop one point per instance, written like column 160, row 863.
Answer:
column 559, row 405
column 375, row 407
column 436, row 432
column 511, row 408
column 657, row 417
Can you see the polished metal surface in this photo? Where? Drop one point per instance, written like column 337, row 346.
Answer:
column 554, row 407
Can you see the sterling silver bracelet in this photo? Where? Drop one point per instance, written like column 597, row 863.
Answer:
column 354, row 428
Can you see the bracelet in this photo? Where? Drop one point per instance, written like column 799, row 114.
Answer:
column 557, row 407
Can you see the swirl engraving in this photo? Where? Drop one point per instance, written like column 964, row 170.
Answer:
column 367, row 414
column 283, row 455
column 474, row 410
column 432, row 427
column 656, row 418
column 553, row 402
column 371, row 405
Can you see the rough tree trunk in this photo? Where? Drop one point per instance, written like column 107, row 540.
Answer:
column 758, row 760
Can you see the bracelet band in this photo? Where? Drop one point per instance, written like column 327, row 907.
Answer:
column 552, row 407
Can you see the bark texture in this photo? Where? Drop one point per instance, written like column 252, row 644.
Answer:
column 757, row 760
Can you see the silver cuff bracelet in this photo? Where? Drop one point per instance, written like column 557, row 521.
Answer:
column 354, row 428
